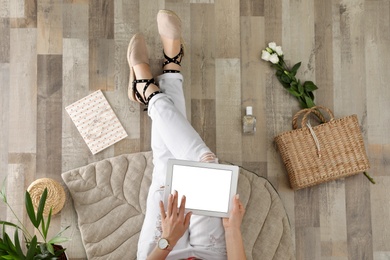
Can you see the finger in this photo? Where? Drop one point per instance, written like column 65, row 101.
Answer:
column 174, row 203
column 170, row 198
column 182, row 206
column 187, row 219
column 162, row 210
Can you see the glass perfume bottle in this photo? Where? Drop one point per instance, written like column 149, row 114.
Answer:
column 249, row 121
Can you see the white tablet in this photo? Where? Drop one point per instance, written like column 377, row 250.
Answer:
column 209, row 187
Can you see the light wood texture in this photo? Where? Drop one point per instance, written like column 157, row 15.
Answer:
column 53, row 53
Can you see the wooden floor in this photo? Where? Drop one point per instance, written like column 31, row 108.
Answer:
column 53, row 53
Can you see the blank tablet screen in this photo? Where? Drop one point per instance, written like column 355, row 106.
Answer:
column 205, row 188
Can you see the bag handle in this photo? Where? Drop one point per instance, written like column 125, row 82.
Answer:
column 313, row 110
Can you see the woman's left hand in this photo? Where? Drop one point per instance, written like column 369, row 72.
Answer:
column 174, row 222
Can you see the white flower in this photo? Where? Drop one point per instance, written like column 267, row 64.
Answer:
column 278, row 50
column 272, row 45
column 265, row 55
column 274, row 58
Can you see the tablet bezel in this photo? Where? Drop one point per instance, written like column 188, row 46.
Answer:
column 233, row 184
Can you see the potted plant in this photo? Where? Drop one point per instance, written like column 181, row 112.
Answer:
column 48, row 249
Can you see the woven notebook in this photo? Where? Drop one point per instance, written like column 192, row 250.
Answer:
column 329, row 151
column 96, row 121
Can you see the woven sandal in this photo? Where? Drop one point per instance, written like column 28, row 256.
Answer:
column 137, row 53
column 169, row 26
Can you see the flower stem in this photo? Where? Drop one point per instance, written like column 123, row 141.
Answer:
column 369, row 177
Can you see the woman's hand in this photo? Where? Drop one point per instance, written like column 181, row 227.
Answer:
column 236, row 215
column 174, row 223
column 234, row 243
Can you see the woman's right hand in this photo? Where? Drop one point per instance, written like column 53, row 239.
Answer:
column 236, row 215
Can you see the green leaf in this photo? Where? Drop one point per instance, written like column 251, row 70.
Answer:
column 9, row 224
column 309, row 102
column 309, row 86
column 300, row 89
column 2, row 193
column 58, row 240
column 41, row 206
column 294, row 93
column 32, row 248
column 17, row 245
column 45, row 228
column 50, row 248
column 295, row 68
column 30, row 210
column 285, row 78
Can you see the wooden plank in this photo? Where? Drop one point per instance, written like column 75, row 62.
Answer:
column 227, row 24
column 49, row 27
column 4, row 126
column 5, row 40
column 75, row 22
column 203, row 120
column 23, row 80
column 380, row 200
column 49, row 119
column 101, row 64
column 29, row 19
column 252, row 8
column 126, row 25
column 323, row 54
column 16, row 8
column 227, row 112
column 333, row 219
column 202, row 53
column 377, row 40
column 253, row 89
column 4, row 9
column 75, row 86
column 75, row 152
column 101, row 19
column 352, row 35
column 308, row 240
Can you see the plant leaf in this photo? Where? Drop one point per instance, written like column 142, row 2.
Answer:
column 295, row 68
column 294, row 93
column 32, row 248
column 309, row 86
column 30, row 210
column 50, row 248
column 58, row 240
column 17, row 245
column 9, row 224
column 41, row 206
column 285, row 78
column 2, row 192
column 300, row 89
column 309, row 102
column 45, row 228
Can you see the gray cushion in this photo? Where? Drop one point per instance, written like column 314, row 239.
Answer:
column 110, row 197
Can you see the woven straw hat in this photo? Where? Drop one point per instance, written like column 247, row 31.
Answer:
column 55, row 195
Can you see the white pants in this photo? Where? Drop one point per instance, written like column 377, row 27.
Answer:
column 174, row 137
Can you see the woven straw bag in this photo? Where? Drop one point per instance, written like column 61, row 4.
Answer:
column 329, row 151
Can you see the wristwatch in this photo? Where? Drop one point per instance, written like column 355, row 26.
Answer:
column 163, row 244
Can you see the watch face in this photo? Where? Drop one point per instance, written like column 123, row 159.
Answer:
column 163, row 243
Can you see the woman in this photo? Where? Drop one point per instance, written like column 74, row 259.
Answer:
column 173, row 234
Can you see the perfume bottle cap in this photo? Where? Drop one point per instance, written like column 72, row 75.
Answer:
column 249, row 111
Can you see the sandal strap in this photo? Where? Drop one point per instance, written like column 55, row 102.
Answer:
column 171, row 71
column 143, row 99
column 174, row 59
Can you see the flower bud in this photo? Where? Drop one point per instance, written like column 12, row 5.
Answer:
column 272, row 45
column 265, row 55
column 274, row 58
column 278, row 50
